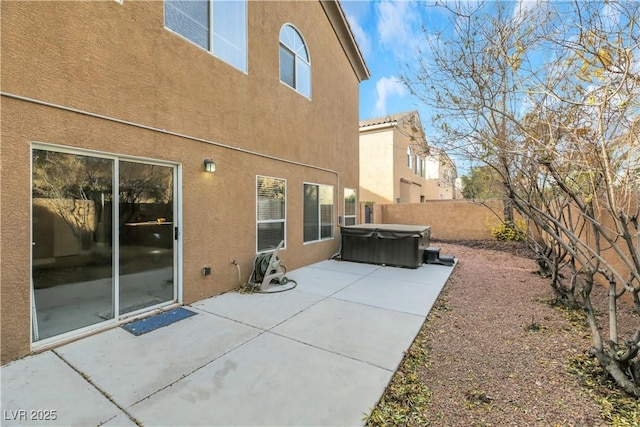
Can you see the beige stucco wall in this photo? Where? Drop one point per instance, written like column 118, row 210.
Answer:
column 385, row 176
column 407, row 185
column 376, row 166
column 449, row 219
column 440, row 178
column 118, row 60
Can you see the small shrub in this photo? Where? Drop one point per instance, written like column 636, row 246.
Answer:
column 509, row 231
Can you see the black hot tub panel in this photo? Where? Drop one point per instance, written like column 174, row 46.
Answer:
column 389, row 244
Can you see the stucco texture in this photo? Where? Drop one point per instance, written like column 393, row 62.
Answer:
column 449, row 219
column 118, row 60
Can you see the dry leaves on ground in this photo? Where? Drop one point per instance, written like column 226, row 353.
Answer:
column 493, row 351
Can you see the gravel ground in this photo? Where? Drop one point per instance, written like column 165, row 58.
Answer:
column 499, row 354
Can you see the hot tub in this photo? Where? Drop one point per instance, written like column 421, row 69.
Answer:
column 389, row 244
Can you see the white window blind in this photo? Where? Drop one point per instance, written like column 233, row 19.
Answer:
column 219, row 26
column 270, row 212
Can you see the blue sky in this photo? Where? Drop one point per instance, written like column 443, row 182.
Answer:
column 388, row 33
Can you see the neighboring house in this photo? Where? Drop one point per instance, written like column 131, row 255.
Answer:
column 441, row 177
column 144, row 142
column 398, row 166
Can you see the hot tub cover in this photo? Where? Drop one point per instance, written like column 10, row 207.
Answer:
column 389, row 244
column 386, row 230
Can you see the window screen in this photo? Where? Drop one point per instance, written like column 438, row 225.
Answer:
column 318, row 212
column 349, row 206
column 190, row 19
column 287, row 72
column 311, row 214
column 326, row 212
column 270, row 212
column 295, row 66
column 230, row 32
column 219, row 26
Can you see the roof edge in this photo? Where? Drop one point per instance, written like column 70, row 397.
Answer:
column 390, row 119
column 341, row 26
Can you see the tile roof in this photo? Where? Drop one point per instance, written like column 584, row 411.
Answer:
column 388, row 119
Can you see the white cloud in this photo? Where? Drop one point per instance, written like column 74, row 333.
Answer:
column 610, row 16
column 385, row 87
column 399, row 26
column 364, row 42
column 529, row 11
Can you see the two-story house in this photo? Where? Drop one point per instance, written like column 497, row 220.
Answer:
column 398, row 166
column 441, row 176
column 150, row 149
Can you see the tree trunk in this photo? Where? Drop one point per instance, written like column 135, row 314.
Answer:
column 508, row 207
column 614, row 369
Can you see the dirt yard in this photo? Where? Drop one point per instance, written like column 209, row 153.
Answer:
column 493, row 351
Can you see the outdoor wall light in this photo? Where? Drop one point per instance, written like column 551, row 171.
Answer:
column 209, row 165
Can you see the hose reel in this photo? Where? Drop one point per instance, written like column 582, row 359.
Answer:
column 268, row 273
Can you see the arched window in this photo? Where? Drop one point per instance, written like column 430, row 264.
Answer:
column 295, row 65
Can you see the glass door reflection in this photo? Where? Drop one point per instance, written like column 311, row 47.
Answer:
column 146, row 235
column 72, row 263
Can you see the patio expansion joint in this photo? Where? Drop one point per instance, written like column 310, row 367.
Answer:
column 200, row 367
column 101, row 391
column 361, row 276
column 422, row 316
column 296, row 313
column 202, row 310
column 391, row 310
column 333, row 352
column 211, row 313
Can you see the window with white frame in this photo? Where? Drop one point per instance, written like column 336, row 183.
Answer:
column 271, row 207
column 295, row 65
column 350, row 204
column 317, row 212
column 409, row 158
column 217, row 26
column 419, row 166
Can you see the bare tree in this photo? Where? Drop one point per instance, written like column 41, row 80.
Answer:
column 70, row 185
column 549, row 98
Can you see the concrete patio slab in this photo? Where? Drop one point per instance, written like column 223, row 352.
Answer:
column 262, row 311
column 120, row 421
column 371, row 334
column 270, row 381
column 346, row 267
column 42, row 390
column 130, row 368
column 321, row 281
column 407, row 297
column 426, row 273
column 320, row 354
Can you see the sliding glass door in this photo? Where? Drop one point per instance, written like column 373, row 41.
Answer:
column 146, row 231
column 72, row 257
column 102, row 239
